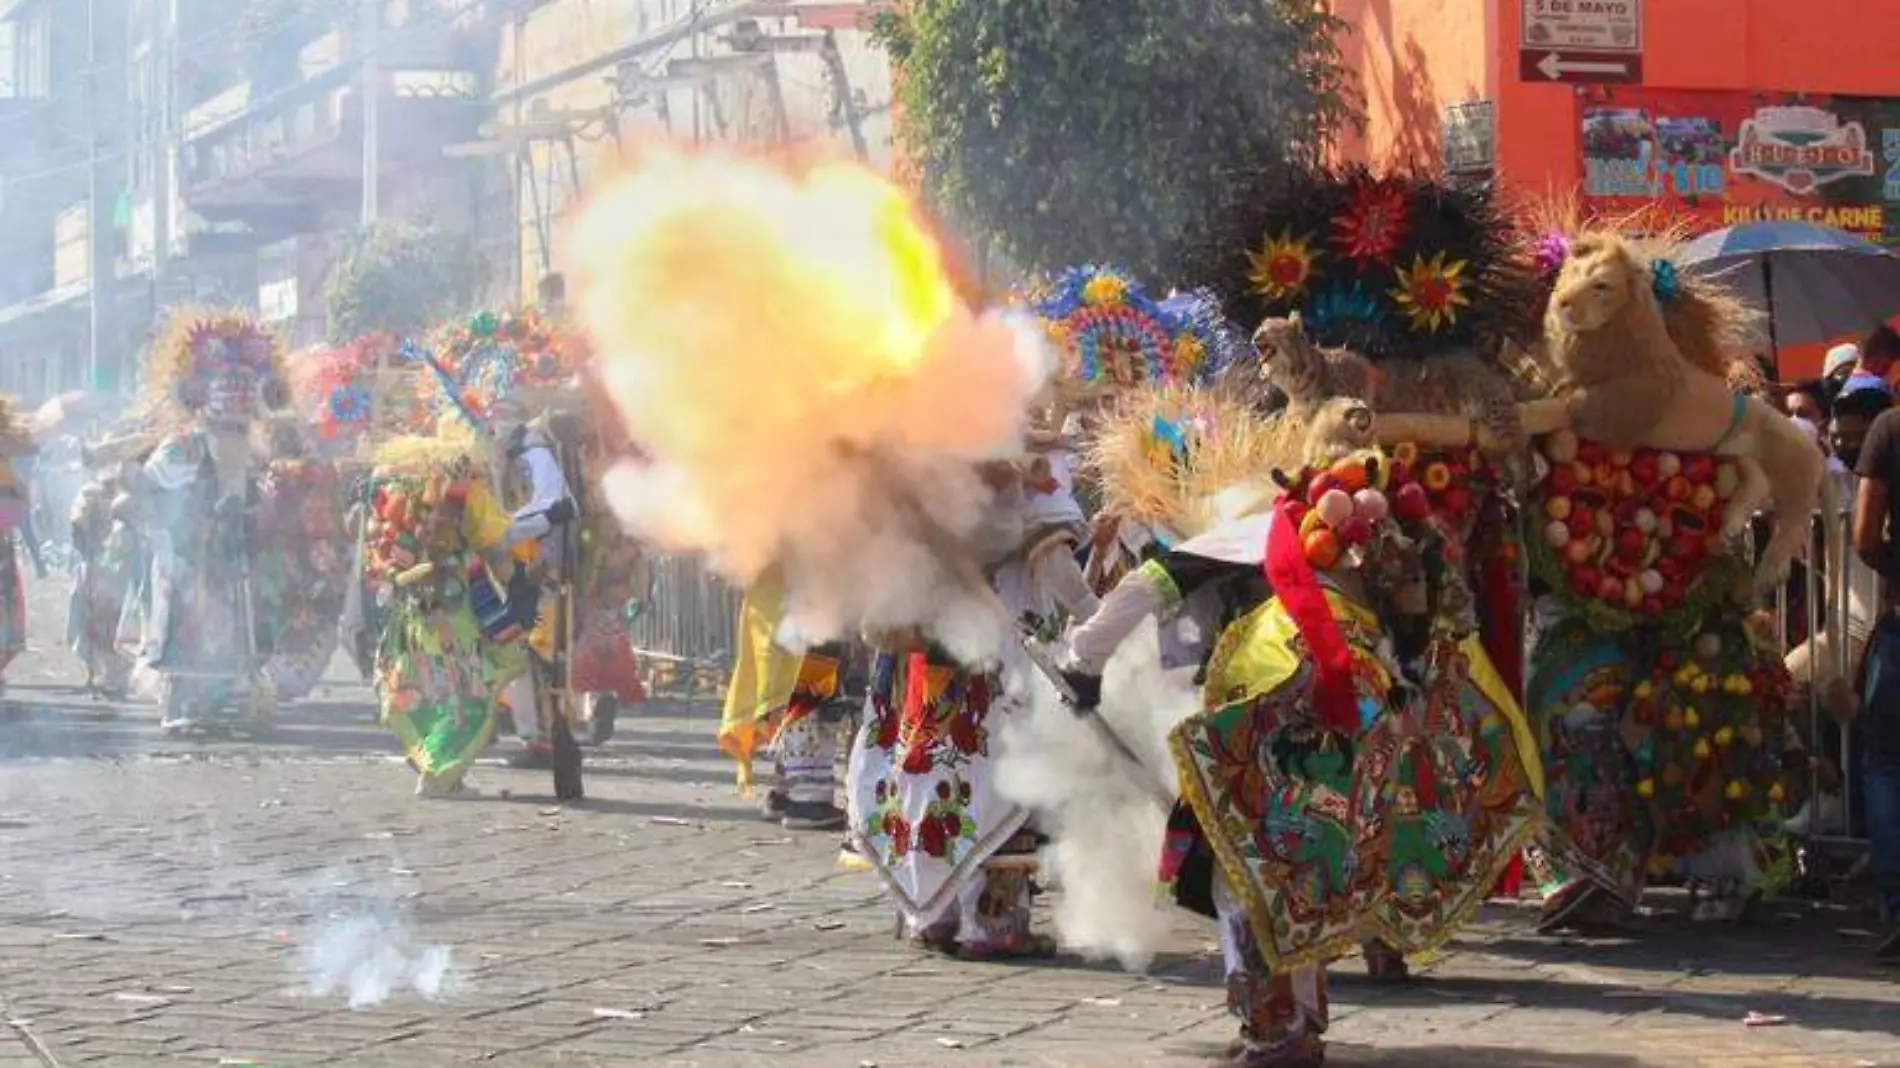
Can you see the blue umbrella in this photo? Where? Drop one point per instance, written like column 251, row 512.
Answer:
column 1817, row 283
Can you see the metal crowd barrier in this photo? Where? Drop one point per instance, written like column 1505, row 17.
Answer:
column 1831, row 580
column 684, row 631
column 1829, row 594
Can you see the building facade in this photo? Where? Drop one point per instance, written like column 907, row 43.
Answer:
column 219, row 146
column 1743, row 109
column 60, row 112
column 580, row 82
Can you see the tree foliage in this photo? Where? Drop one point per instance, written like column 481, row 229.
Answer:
column 400, row 275
column 1071, row 131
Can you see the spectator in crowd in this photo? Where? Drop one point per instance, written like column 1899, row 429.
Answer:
column 1876, row 524
column 1874, row 364
column 1807, row 402
column 1838, row 364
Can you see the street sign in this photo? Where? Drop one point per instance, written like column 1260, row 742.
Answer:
column 1581, row 41
column 1601, row 68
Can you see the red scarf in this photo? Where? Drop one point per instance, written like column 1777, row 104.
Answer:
column 1335, row 699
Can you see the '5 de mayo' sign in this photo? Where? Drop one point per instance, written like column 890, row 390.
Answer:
column 1581, row 41
column 1583, row 25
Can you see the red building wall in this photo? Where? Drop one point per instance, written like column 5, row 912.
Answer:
column 1714, row 59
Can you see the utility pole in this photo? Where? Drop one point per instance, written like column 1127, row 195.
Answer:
column 372, row 11
column 105, row 103
column 163, row 35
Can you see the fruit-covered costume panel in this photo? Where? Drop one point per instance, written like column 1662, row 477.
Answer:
column 1379, row 814
column 431, row 519
column 1661, row 712
column 1659, row 709
column 303, row 567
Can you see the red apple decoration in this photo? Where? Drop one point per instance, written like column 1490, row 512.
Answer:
column 1645, row 470
column 1630, row 543
column 1412, row 503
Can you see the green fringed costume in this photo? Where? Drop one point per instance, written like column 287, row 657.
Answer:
column 430, row 517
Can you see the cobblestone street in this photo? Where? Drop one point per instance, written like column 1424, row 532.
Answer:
column 164, row 901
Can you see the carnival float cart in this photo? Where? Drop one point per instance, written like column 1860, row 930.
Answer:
column 1660, row 706
column 213, row 376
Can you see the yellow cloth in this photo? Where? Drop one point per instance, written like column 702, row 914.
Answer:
column 764, row 675
column 483, row 521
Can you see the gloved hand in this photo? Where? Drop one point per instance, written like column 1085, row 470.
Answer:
column 524, row 598
column 564, row 511
column 1087, row 688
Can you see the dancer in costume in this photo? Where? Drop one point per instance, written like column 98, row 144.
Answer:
column 789, row 704
column 925, row 813
column 516, row 371
column 106, row 541
column 433, row 544
column 213, row 376
column 16, row 442
column 1412, row 294
column 1359, row 775
column 614, row 585
column 303, row 560
column 1113, row 338
column 1660, row 707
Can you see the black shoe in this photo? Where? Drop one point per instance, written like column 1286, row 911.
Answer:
column 812, row 816
column 1889, row 949
column 772, row 805
column 606, row 714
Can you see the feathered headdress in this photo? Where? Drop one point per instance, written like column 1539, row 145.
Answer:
column 515, row 353
column 1391, row 266
column 1182, row 457
column 1112, row 335
column 335, row 388
column 198, row 346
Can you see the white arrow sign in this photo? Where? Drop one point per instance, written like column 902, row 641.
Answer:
column 1554, row 67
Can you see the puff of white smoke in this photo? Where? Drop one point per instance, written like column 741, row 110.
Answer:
column 1105, row 823
column 787, row 349
column 371, row 957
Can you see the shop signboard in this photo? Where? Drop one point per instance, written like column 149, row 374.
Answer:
column 1710, row 160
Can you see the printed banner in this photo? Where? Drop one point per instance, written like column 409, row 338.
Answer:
column 1718, row 159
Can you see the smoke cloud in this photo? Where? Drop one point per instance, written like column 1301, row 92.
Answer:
column 372, row 956
column 1105, row 821
column 787, row 347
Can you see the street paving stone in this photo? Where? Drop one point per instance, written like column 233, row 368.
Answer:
column 160, row 901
